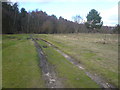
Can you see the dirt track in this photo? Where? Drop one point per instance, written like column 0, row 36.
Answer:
column 48, row 73
column 99, row 80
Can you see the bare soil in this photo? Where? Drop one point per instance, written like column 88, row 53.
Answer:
column 48, row 72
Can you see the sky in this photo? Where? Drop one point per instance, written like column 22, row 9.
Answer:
column 108, row 9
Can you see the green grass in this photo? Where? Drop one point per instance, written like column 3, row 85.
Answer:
column 71, row 76
column 90, row 50
column 20, row 63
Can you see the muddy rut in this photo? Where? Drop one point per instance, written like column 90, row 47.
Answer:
column 48, row 72
column 99, row 80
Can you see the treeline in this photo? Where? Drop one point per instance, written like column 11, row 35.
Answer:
column 21, row 21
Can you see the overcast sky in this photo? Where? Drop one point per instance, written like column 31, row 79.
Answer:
column 108, row 9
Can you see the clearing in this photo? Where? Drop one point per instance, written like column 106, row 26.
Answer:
column 60, row 61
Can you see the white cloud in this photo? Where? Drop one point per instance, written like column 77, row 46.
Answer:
column 63, row 0
column 110, row 16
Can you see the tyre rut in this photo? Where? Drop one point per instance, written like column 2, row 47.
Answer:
column 99, row 80
column 48, row 72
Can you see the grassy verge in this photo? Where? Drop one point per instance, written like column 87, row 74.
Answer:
column 90, row 50
column 20, row 63
column 71, row 76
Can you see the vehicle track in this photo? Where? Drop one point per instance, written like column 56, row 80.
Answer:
column 48, row 73
column 99, row 80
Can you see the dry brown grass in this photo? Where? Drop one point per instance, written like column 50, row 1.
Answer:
column 98, row 52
